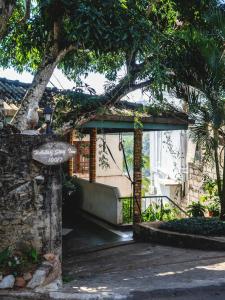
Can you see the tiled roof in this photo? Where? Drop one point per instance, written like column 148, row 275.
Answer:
column 13, row 91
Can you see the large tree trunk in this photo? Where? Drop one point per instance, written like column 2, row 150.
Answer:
column 40, row 81
column 218, row 176
column 222, row 216
column 6, row 10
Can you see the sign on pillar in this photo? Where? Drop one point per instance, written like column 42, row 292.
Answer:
column 53, row 153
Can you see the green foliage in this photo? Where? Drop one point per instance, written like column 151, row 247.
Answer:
column 214, row 209
column 196, row 209
column 4, row 256
column 104, row 28
column 211, row 196
column 103, row 155
column 127, row 208
column 202, row 226
column 33, row 255
column 18, row 262
column 68, row 187
column 198, row 67
column 154, row 212
column 67, row 278
column 210, row 188
column 145, row 186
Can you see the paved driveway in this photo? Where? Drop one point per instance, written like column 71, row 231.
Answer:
column 142, row 270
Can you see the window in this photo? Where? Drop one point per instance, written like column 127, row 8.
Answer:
column 81, row 158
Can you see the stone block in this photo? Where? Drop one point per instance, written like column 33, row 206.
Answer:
column 20, row 282
column 38, row 277
column 7, row 282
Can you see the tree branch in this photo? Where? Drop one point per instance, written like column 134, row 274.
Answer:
column 107, row 100
column 131, row 60
column 6, row 10
column 27, row 11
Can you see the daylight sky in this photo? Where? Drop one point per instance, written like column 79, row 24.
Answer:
column 60, row 81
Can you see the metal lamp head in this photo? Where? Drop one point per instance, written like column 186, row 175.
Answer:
column 48, row 114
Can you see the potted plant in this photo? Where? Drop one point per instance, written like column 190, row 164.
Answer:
column 213, row 209
column 196, row 209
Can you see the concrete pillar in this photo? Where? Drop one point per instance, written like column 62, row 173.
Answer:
column 137, row 175
column 92, row 156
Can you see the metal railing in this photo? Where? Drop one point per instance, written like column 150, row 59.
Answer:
column 148, row 202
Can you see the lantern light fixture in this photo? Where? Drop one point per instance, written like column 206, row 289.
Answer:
column 48, row 118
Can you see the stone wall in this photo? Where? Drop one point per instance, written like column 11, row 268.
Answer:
column 196, row 174
column 30, row 196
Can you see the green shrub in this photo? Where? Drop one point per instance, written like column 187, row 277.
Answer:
column 214, row 209
column 199, row 225
column 157, row 213
column 127, row 207
column 154, row 212
column 196, row 209
column 17, row 262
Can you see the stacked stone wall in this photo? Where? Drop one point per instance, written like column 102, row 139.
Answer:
column 30, row 196
column 196, row 174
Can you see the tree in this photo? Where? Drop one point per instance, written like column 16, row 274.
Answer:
column 6, row 11
column 79, row 36
column 11, row 9
column 197, row 74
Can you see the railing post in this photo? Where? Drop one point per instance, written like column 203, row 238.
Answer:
column 137, row 175
column 161, row 209
column 92, row 155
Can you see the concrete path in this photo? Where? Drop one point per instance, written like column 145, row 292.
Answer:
column 87, row 233
column 141, row 270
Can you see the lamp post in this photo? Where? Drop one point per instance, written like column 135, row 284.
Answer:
column 48, row 118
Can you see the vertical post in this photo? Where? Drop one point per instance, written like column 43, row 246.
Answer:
column 71, row 139
column 92, row 155
column 2, row 114
column 137, row 175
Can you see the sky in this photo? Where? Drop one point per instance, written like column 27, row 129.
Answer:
column 60, row 81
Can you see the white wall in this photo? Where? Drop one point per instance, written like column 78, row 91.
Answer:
column 168, row 162
column 113, row 144
column 100, row 200
column 113, row 175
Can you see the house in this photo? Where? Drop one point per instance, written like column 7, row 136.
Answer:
column 100, row 189
column 169, row 166
column 110, row 171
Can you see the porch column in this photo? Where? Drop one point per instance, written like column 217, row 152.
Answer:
column 92, row 155
column 137, row 175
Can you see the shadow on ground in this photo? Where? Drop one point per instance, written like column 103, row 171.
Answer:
column 143, row 268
